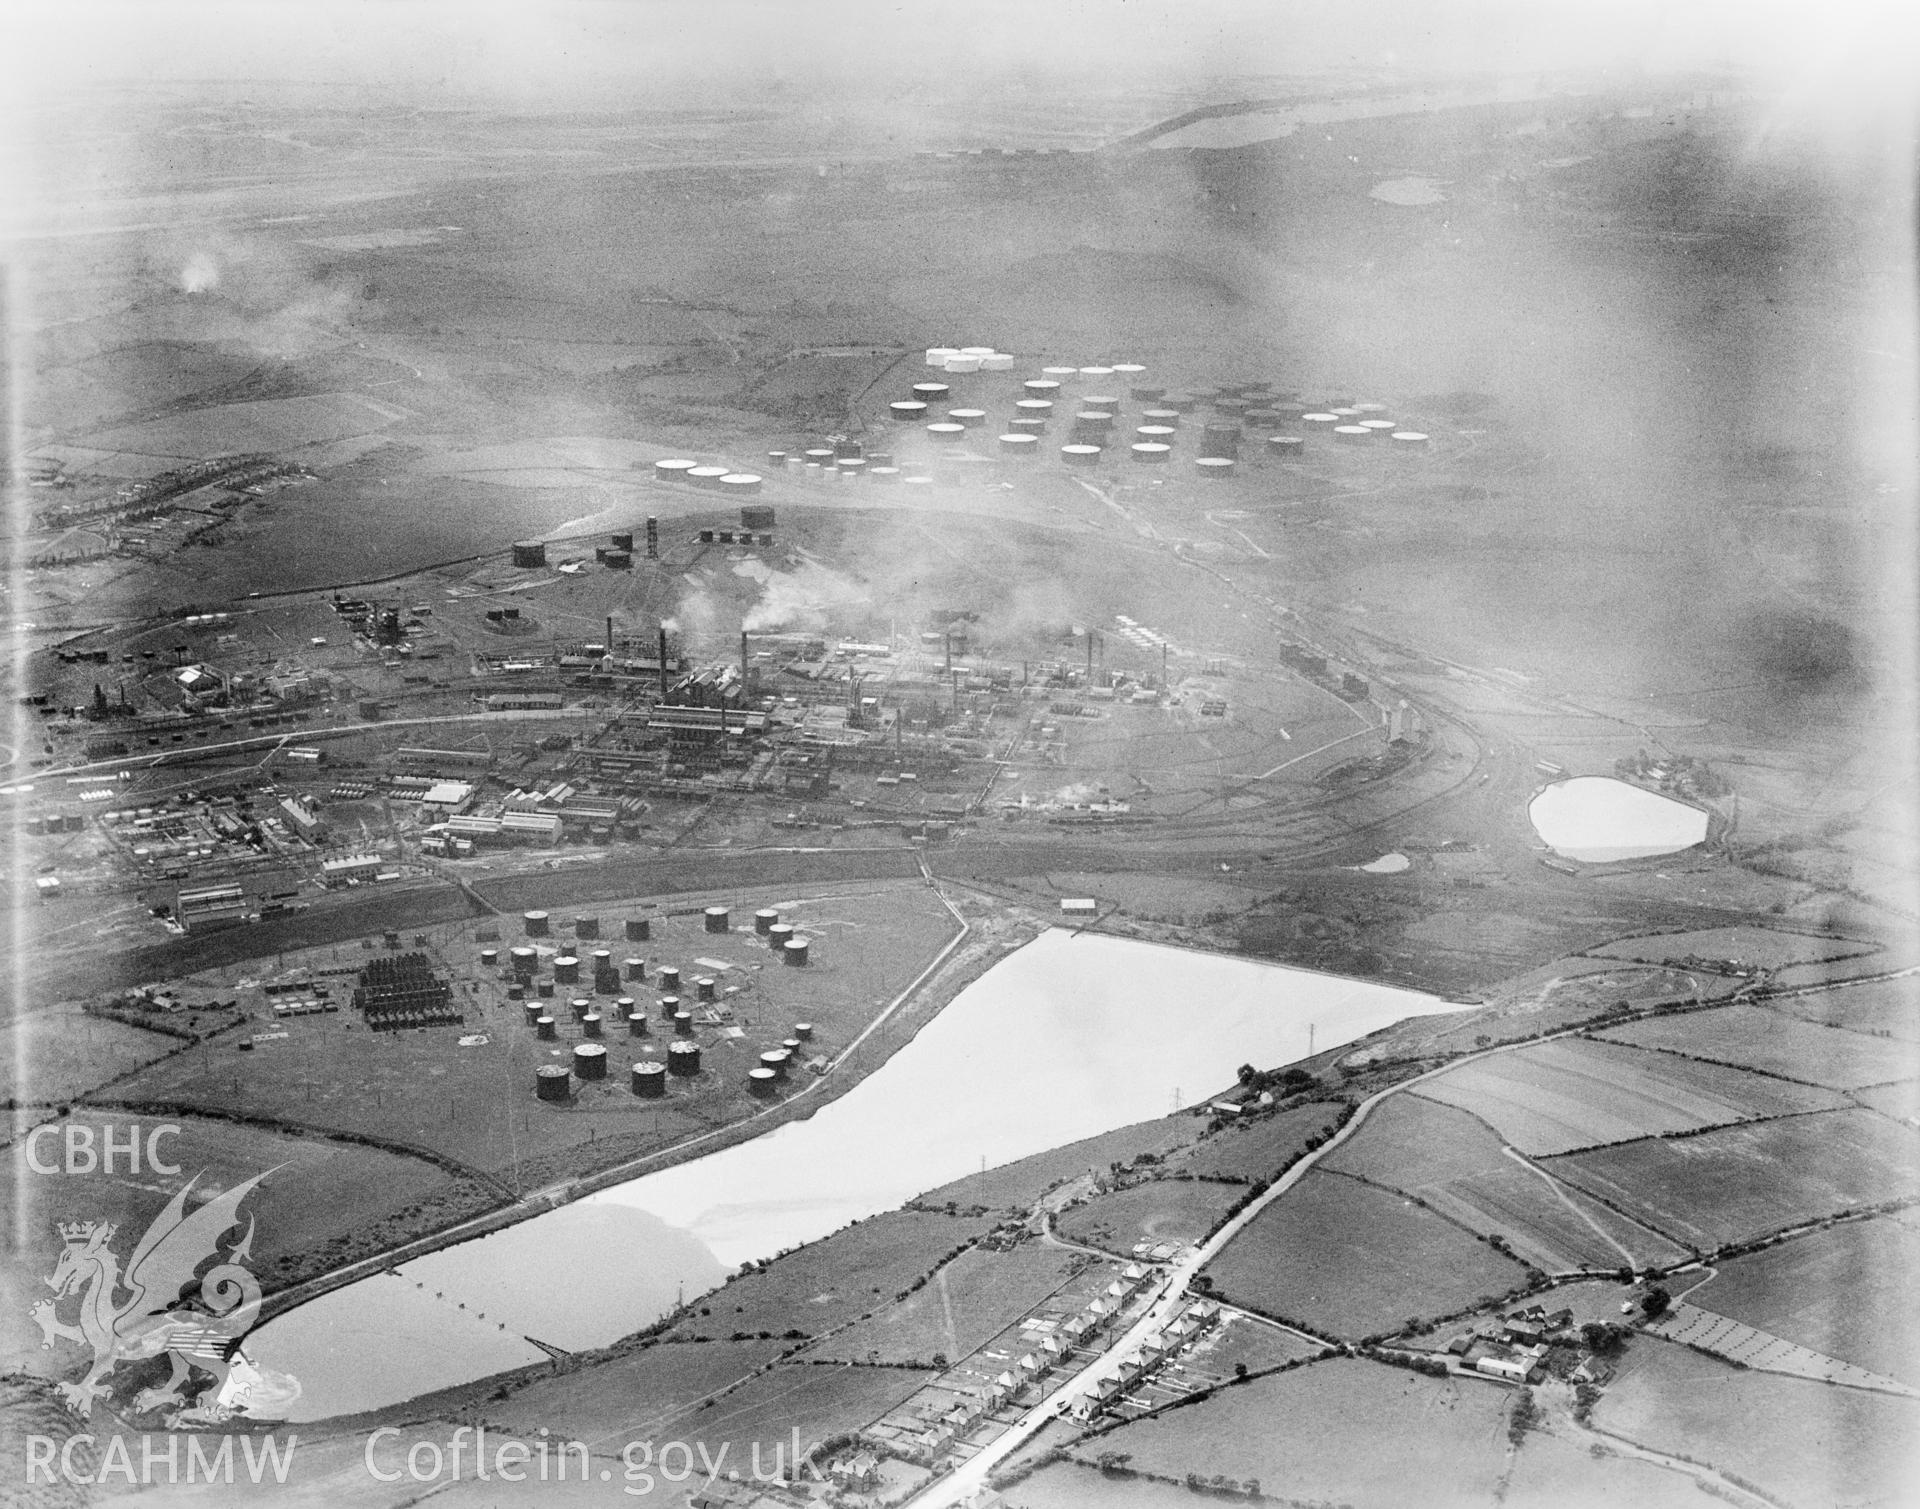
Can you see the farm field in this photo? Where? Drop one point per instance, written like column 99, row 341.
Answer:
column 1243, row 1339
column 1901, row 1101
column 1258, row 1150
column 1739, row 1182
column 321, row 1203
column 1804, row 1443
column 1356, row 1432
column 71, row 1053
column 969, row 1302
column 1570, row 1094
column 1753, row 1038
column 1161, row 1210
column 272, row 424
column 834, row 1280
column 1350, row 1260
column 1016, row 1186
column 1769, row 948
column 1875, row 1006
column 630, row 1394
column 1550, row 1473
column 1457, row 1164
column 1074, row 1485
column 1851, row 1291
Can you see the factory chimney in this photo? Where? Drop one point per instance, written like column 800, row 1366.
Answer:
column 743, row 658
column 653, row 538
column 663, row 662
column 609, row 636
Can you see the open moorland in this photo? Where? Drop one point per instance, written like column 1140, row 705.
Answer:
column 1573, row 1094
column 1347, row 1259
column 1459, row 1167
column 1735, row 1183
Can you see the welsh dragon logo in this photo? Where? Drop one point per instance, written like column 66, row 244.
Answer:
column 162, row 1303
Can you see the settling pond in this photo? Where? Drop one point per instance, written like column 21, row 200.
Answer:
column 1596, row 819
column 1070, row 1036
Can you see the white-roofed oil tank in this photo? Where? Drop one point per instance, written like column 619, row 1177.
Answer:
column 683, row 1058
column 795, row 952
column 649, row 1079
column 590, row 1060
column 551, row 1082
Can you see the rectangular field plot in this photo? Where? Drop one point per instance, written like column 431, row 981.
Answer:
column 1458, row 1165
column 1901, row 1101
column 1162, row 1210
column 1550, row 1473
column 1753, row 1038
column 1769, row 948
column 964, row 1306
column 1739, row 1182
column 1877, row 1007
column 1799, row 1441
column 1347, row 1259
column 1259, row 1150
column 1342, row 1431
column 1851, row 1291
column 1570, row 1094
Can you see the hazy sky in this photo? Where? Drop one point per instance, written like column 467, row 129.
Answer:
column 551, row 53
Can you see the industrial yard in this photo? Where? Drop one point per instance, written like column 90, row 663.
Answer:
column 992, row 792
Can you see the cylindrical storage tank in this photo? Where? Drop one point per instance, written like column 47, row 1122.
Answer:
column 667, row 979
column 636, row 1024
column 764, row 919
column 1040, row 387
column 970, row 419
column 1412, row 439
column 932, row 392
column 1180, row 403
column 716, row 918
column 795, row 951
column 1260, row 419
column 1286, row 447
column 705, row 986
column 590, row 1060
column 779, row 933
column 669, row 1007
column 537, row 924
column 635, row 969
column 586, row 927
column 1377, row 425
column 550, row 1082
column 884, row 474
column 1105, row 401
column 623, row 1007
column 1034, row 408
column 1062, row 374
column 1352, row 434
column 639, row 929
column 1216, row 467
column 1343, row 411
column 683, row 1058
column 1019, row 445
column 1080, row 455
column 1127, row 369
column 998, row 362
column 744, row 484
column 821, row 455
column 1096, row 372
column 1320, row 421
column 879, row 458
column 649, row 1079
column 776, row 1060
column 803, row 1031
column 674, row 468
column 682, row 1024
column 593, row 1024
column 1151, row 451
column 1093, row 420
column 937, row 355
column 528, row 553
column 489, row 957
column 546, row 1027
column 775, row 460
column 1163, row 416
column 1234, row 406
column 1146, row 395
column 707, row 476
column 516, row 992
column 1368, row 408
column 791, row 1047
column 963, row 364
column 908, row 409
column 603, row 969
column 762, row 1082
column 532, row 1012
column 1161, row 434
column 947, row 430
column 1025, row 426
column 545, row 990
column 580, row 1006
column 566, row 970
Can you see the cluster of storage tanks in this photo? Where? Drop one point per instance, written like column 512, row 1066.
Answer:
column 571, row 971
column 709, row 476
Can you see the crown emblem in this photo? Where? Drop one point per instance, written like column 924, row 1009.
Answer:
column 82, row 1231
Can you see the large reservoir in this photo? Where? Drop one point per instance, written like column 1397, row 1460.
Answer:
column 1596, row 819
column 1068, row 1037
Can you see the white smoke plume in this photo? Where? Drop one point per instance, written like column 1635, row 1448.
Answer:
column 801, row 599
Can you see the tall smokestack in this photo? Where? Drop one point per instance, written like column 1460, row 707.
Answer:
column 1089, row 657
column 609, row 636
column 663, row 662
column 743, row 657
